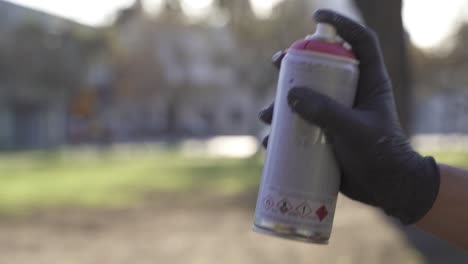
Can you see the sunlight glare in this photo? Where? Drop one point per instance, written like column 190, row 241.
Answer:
column 264, row 8
column 196, row 8
column 153, row 6
column 430, row 22
column 88, row 12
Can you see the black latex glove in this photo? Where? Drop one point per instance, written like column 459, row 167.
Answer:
column 379, row 167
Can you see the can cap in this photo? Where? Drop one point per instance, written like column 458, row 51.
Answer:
column 324, row 40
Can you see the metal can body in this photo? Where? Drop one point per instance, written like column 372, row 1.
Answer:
column 301, row 177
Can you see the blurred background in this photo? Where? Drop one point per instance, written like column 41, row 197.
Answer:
column 129, row 132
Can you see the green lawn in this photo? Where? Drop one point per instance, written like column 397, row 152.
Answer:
column 93, row 178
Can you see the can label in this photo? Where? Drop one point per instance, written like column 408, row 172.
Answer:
column 294, row 208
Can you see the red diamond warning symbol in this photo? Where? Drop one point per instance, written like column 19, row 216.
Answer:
column 322, row 212
column 303, row 209
column 268, row 202
column 284, row 206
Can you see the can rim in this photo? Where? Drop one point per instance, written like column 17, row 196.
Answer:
column 295, row 236
column 320, row 54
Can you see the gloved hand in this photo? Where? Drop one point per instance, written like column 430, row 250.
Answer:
column 378, row 165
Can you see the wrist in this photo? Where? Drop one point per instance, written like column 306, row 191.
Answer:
column 419, row 191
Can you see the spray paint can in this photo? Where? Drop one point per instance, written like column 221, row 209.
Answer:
column 301, row 178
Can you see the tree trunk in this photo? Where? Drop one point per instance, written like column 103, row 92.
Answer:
column 385, row 18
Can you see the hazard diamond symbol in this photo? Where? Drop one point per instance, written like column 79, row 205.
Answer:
column 303, row 209
column 269, row 202
column 322, row 212
column 284, row 206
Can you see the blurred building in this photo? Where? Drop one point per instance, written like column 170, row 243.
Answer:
column 39, row 62
column 153, row 78
column 164, row 77
column 187, row 84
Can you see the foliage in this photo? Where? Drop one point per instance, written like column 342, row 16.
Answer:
column 258, row 39
column 443, row 71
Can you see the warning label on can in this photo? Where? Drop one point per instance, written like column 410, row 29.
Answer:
column 298, row 209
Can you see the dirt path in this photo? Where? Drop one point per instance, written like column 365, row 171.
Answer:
column 197, row 231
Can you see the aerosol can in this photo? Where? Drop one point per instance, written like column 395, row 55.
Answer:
column 301, row 177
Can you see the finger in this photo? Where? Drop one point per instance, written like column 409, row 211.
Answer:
column 265, row 142
column 266, row 115
column 365, row 44
column 321, row 110
column 277, row 58
column 363, row 40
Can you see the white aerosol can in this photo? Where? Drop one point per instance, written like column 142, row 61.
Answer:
column 301, row 178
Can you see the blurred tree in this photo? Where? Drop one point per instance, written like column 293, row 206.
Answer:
column 137, row 41
column 437, row 72
column 386, row 19
column 173, row 18
column 259, row 38
column 459, row 54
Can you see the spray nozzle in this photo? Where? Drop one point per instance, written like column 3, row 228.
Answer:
column 324, row 31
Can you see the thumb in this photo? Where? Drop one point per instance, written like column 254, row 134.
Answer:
column 321, row 110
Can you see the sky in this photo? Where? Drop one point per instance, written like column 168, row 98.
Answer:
column 428, row 22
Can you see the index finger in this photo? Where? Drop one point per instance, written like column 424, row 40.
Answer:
column 363, row 40
column 373, row 75
column 277, row 58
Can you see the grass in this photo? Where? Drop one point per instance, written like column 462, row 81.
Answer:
column 91, row 178
column 94, row 178
column 452, row 158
